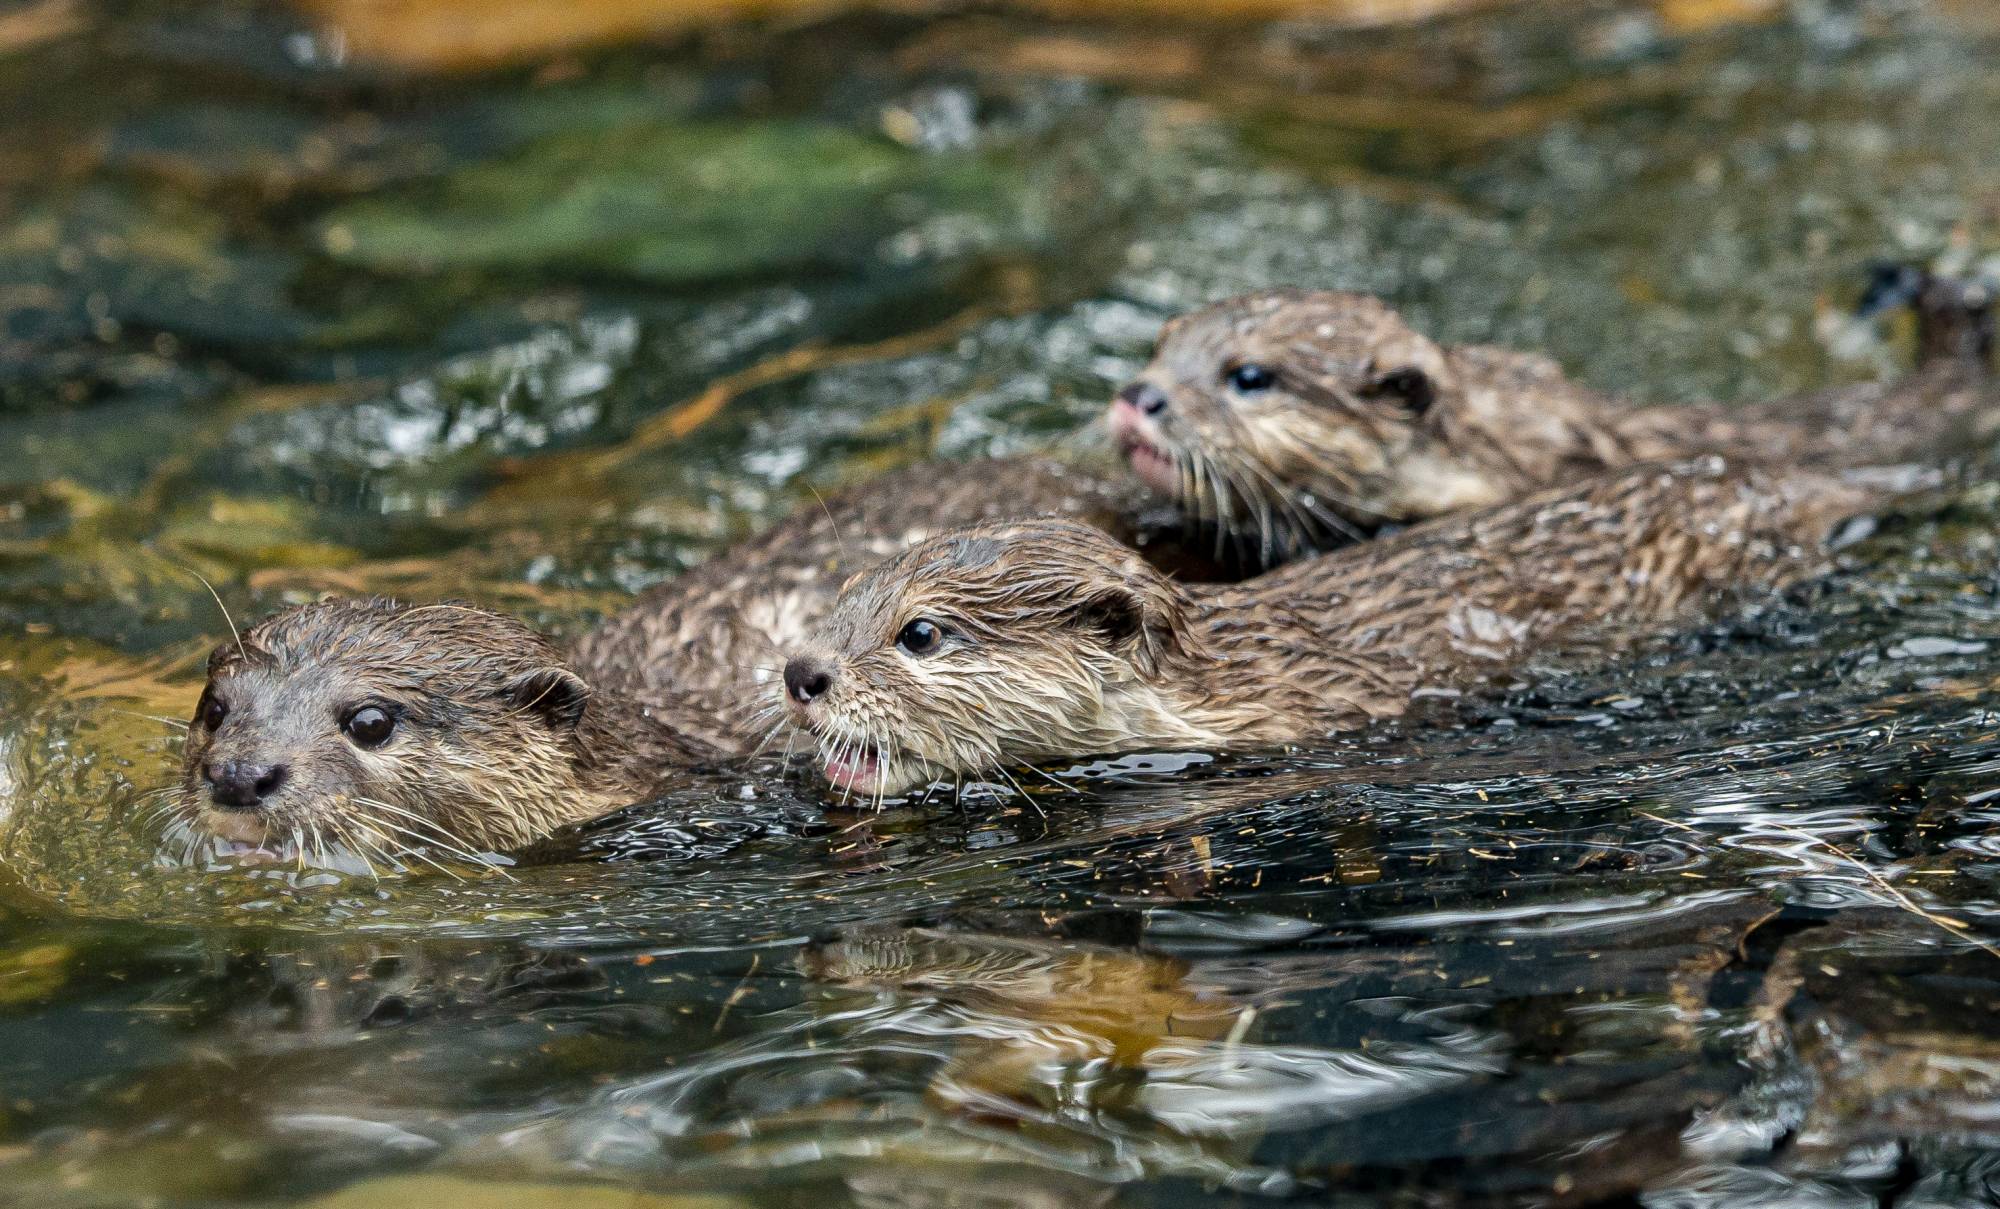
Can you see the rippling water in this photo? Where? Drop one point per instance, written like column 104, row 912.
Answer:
column 1716, row 926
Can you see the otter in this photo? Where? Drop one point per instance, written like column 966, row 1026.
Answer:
column 1291, row 421
column 1031, row 641
column 389, row 729
column 714, row 633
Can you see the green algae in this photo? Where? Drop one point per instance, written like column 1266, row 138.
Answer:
column 673, row 204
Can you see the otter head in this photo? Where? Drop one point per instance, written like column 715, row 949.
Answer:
column 998, row 644
column 1286, row 417
column 386, row 728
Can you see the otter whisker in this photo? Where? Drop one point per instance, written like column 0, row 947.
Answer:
column 751, row 667
column 1284, row 516
column 163, row 815
column 231, row 621
column 154, row 804
column 419, row 854
column 377, row 845
column 884, row 760
column 1259, row 507
column 334, row 844
column 318, row 835
column 766, row 712
column 838, row 543
column 427, row 831
column 1190, row 487
column 1310, row 507
column 354, row 845
column 1021, row 789
column 1206, row 489
column 376, row 835
column 417, row 850
column 1253, row 503
column 1222, row 491
column 846, row 754
column 405, row 811
column 1052, row 778
column 132, row 713
column 771, row 734
column 186, row 837
column 1265, row 493
column 1291, row 499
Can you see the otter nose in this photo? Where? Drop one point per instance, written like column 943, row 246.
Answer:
column 806, row 679
column 242, row 786
column 1147, row 399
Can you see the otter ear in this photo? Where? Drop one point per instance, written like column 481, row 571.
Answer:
column 1406, row 384
column 1129, row 619
column 557, row 694
column 1115, row 615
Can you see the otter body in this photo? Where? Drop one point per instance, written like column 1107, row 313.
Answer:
column 1043, row 640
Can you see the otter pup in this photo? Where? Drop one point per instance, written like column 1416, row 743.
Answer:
column 390, row 728
column 1296, row 420
column 1042, row 640
column 715, row 633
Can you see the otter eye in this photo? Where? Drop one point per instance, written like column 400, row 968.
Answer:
column 212, row 711
column 1249, row 377
column 369, row 726
column 920, row 637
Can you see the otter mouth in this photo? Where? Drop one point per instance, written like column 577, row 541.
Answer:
column 245, row 838
column 239, row 830
column 236, row 837
column 1139, row 444
column 1154, row 466
column 859, row 770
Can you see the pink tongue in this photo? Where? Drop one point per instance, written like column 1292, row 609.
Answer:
column 852, row 769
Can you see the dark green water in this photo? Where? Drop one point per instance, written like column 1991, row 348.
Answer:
column 1710, row 928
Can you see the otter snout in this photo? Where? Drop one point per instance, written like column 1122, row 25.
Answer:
column 240, row 785
column 1144, row 398
column 806, row 679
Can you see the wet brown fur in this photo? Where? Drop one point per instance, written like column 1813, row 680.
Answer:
column 1060, row 643
column 1332, row 456
column 476, row 764
column 1340, row 445
column 716, row 634
column 703, row 652
column 497, row 741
